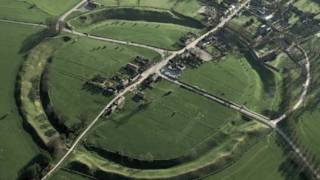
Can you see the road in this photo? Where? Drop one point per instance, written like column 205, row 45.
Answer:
column 23, row 23
column 305, row 86
column 159, row 50
column 154, row 69
column 273, row 123
column 66, row 14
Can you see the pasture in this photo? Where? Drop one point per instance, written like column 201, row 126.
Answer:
column 185, row 7
column 240, row 138
column 54, row 8
column 17, row 147
column 79, row 61
column 306, row 122
column 22, row 11
column 34, row 10
column 230, row 77
column 158, row 28
column 263, row 161
column 161, row 35
column 172, row 117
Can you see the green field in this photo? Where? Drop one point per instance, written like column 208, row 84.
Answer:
column 56, row 7
column 185, row 7
column 263, row 161
column 17, row 147
column 78, row 62
column 69, row 175
column 230, row 77
column 34, row 10
column 155, row 34
column 168, row 121
column 21, row 10
column 306, row 120
column 142, row 25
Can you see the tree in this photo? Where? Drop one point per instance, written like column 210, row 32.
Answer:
column 31, row 172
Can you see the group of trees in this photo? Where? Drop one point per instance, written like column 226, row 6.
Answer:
column 36, row 168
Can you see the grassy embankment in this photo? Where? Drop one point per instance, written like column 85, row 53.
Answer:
column 79, row 61
column 17, row 147
column 214, row 160
column 158, row 28
column 29, row 89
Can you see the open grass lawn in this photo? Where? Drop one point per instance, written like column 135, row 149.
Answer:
column 172, row 125
column 34, row 10
column 263, row 161
column 155, row 34
column 311, row 6
column 17, row 147
column 79, row 61
column 54, row 7
column 230, row 77
column 22, row 11
column 185, row 7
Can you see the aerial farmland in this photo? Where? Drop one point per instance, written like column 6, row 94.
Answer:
column 159, row 89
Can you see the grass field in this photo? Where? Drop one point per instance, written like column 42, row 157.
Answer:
column 54, row 8
column 143, row 25
column 168, row 121
column 230, row 77
column 307, row 121
column 78, row 62
column 68, row 175
column 155, row 34
column 17, row 147
column 263, row 161
column 185, row 7
column 34, row 10
column 21, row 10
column 215, row 159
